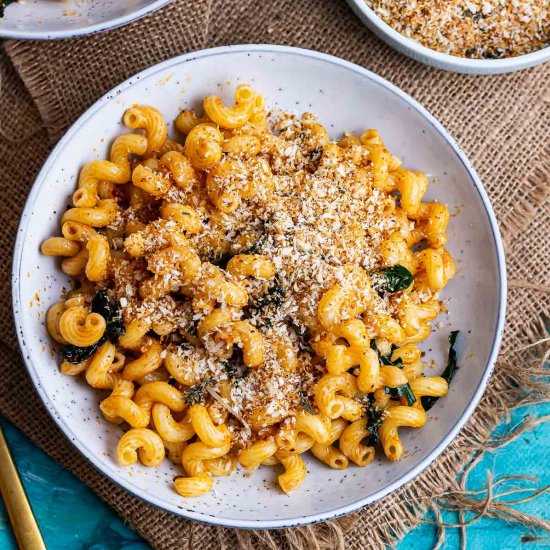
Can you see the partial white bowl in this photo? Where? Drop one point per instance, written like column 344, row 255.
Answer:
column 347, row 98
column 54, row 19
column 439, row 60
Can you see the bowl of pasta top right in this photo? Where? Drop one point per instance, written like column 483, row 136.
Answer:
column 464, row 36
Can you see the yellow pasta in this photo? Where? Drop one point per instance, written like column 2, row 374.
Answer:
column 185, row 217
column 343, row 302
column 398, row 417
column 174, row 451
column 295, row 472
column 73, row 369
column 149, row 360
column 222, row 466
column 258, row 452
column 251, row 265
column 104, row 213
column 334, row 393
column 150, row 180
column 187, row 120
column 242, row 145
column 146, row 442
column 432, row 386
column 59, row 246
column 102, row 371
column 224, row 190
column 99, row 255
column 231, row 117
column 223, row 330
column 351, row 446
column 170, row 430
column 203, row 146
column 116, row 170
column 194, row 486
column 119, row 408
column 52, row 321
column 80, row 232
column 329, row 454
column 181, row 367
column 214, row 436
column 193, row 458
column 159, row 392
column 147, row 118
column 134, row 334
column 80, row 327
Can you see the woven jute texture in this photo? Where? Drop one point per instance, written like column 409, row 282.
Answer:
column 501, row 122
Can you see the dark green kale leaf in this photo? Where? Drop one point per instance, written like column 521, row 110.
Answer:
column 405, row 391
column 274, row 296
column 230, row 370
column 386, row 359
column 111, row 311
column 305, row 402
column 192, row 328
column 375, row 415
column 428, row 401
column 315, row 154
column 393, row 279
column 77, row 354
column 4, row 4
column 195, row 394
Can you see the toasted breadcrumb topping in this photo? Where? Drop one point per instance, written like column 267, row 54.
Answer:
column 479, row 29
column 322, row 219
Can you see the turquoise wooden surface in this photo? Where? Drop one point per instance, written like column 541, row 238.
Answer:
column 72, row 517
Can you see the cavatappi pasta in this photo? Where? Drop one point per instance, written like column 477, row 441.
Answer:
column 251, row 291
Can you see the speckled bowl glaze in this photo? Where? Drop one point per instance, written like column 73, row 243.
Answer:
column 52, row 19
column 346, row 97
column 417, row 51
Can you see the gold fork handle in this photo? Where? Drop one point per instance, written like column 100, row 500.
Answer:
column 19, row 510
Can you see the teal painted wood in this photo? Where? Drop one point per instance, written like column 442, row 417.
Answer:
column 528, row 456
column 71, row 516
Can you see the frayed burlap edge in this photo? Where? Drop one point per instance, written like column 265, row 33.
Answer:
column 529, row 384
column 538, row 191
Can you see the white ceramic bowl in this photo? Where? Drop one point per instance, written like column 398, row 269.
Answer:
column 439, row 60
column 53, row 19
column 346, row 97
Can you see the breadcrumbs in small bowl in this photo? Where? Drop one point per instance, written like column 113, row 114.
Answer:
column 468, row 36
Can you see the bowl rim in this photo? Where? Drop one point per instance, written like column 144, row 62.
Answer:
column 124, row 481
column 437, row 59
column 86, row 30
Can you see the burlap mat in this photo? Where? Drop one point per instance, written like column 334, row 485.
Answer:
column 501, row 122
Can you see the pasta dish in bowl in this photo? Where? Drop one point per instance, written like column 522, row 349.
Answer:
column 249, row 293
column 274, row 271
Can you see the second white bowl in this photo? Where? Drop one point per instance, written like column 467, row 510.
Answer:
column 53, row 19
column 439, row 60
